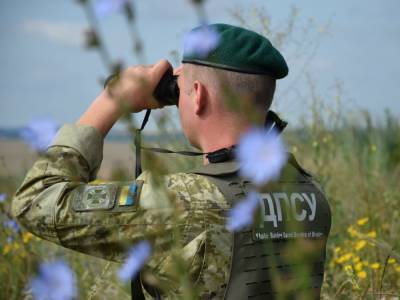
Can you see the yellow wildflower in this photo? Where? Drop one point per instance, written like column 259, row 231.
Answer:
column 26, row 237
column 16, row 246
column 360, row 244
column 375, row 266
column 362, row 274
column 356, row 259
column 358, row 267
column 391, row 260
column 6, row 249
column 365, row 263
column 362, row 221
column 338, row 249
column 352, row 231
column 373, row 148
column 344, row 258
column 348, row 268
column 371, row 234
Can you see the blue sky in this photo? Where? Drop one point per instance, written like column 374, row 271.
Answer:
column 45, row 71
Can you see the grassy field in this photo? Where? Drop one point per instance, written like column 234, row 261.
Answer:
column 357, row 162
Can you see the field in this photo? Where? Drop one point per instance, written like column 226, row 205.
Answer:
column 358, row 164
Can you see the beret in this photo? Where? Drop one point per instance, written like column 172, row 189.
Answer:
column 233, row 48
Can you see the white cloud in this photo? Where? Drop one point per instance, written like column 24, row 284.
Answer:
column 65, row 33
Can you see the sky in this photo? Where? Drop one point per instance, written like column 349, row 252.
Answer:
column 347, row 50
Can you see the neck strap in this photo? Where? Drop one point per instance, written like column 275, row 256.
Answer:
column 272, row 121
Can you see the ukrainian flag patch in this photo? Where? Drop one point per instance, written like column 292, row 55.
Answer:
column 129, row 194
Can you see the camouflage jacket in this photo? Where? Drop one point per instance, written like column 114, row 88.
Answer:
column 56, row 202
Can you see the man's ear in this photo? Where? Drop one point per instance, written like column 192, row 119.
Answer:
column 201, row 97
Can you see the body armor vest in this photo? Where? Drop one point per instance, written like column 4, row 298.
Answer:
column 282, row 255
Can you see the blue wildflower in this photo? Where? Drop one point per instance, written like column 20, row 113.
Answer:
column 137, row 257
column 105, row 7
column 12, row 224
column 39, row 133
column 242, row 214
column 200, row 41
column 54, row 281
column 261, row 155
column 3, row 197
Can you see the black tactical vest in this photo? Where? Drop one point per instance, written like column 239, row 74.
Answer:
column 282, row 255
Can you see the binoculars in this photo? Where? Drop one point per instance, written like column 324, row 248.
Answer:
column 166, row 91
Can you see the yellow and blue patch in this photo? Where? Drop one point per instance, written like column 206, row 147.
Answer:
column 129, row 194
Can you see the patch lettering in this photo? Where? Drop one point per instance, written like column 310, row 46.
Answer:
column 276, row 208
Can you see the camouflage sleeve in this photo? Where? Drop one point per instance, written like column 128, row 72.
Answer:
column 57, row 203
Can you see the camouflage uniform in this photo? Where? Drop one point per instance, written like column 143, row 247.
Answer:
column 57, row 202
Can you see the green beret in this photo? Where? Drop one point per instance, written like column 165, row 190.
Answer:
column 233, row 48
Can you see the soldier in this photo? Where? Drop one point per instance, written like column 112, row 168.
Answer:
column 56, row 201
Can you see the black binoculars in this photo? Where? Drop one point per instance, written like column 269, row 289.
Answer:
column 166, row 91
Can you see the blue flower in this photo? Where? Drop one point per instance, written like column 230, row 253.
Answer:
column 261, row 155
column 105, row 7
column 39, row 133
column 3, row 197
column 12, row 224
column 54, row 281
column 242, row 214
column 137, row 257
column 200, row 41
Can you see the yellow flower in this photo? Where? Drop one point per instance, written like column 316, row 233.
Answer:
column 371, row 234
column 356, row 259
column 375, row 266
column 348, row 268
column 391, row 260
column 16, row 245
column 365, row 263
column 373, row 148
column 358, row 267
column 6, row 249
column 360, row 244
column 344, row 258
column 26, row 237
column 352, row 231
column 338, row 249
column 362, row 274
column 362, row 221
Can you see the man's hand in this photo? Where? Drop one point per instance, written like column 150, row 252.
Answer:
column 135, row 87
column 133, row 91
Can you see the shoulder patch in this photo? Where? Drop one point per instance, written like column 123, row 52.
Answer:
column 114, row 197
column 94, row 197
column 128, row 196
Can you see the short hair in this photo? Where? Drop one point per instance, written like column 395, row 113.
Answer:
column 259, row 88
